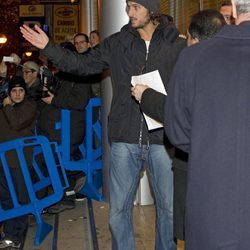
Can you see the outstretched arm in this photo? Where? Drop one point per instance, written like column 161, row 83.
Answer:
column 36, row 37
column 93, row 62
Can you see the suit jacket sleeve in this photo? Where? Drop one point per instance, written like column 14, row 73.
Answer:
column 152, row 104
column 94, row 62
column 178, row 104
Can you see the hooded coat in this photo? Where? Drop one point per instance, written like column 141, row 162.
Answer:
column 208, row 116
column 17, row 121
column 125, row 54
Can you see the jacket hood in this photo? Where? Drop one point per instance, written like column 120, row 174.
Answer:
column 168, row 31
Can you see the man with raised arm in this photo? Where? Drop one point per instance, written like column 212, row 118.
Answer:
column 144, row 45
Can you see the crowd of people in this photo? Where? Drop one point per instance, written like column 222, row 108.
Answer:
column 32, row 106
column 201, row 193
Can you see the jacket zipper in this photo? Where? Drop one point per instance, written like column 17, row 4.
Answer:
column 142, row 119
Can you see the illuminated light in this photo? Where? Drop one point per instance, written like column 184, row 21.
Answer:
column 3, row 39
column 28, row 53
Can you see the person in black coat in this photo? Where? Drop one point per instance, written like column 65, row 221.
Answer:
column 17, row 119
column 204, row 25
column 207, row 115
column 65, row 93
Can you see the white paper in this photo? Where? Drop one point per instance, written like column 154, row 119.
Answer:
column 154, row 81
column 8, row 59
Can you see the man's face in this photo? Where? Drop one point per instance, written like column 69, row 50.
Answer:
column 81, row 44
column 138, row 15
column 226, row 11
column 17, row 94
column 29, row 76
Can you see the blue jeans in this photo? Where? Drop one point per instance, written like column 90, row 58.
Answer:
column 127, row 161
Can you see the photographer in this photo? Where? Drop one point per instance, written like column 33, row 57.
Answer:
column 31, row 76
column 17, row 119
column 67, row 93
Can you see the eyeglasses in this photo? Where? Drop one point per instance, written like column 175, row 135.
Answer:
column 27, row 72
column 80, row 42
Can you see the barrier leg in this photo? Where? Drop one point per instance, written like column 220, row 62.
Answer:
column 43, row 229
column 91, row 191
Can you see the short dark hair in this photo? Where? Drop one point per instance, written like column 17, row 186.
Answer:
column 226, row 3
column 82, row 34
column 205, row 24
column 167, row 19
column 95, row 32
column 155, row 17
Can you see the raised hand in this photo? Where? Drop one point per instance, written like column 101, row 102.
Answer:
column 16, row 58
column 36, row 37
column 49, row 98
column 3, row 69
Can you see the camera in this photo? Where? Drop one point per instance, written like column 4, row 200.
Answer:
column 8, row 59
column 47, row 80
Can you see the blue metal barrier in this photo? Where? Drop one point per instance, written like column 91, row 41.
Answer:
column 91, row 162
column 52, row 179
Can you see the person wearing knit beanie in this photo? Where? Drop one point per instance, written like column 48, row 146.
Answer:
column 16, row 81
column 16, row 91
column 144, row 16
column 152, row 5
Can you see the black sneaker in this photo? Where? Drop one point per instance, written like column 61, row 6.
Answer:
column 65, row 204
column 7, row 244
column 78, row 185
column 16, row 245
column 80, row 197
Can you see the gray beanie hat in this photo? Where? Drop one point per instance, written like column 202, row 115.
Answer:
column 151, row 5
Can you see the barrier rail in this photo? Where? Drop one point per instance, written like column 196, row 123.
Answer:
column 36, row 205
column 90, row 164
